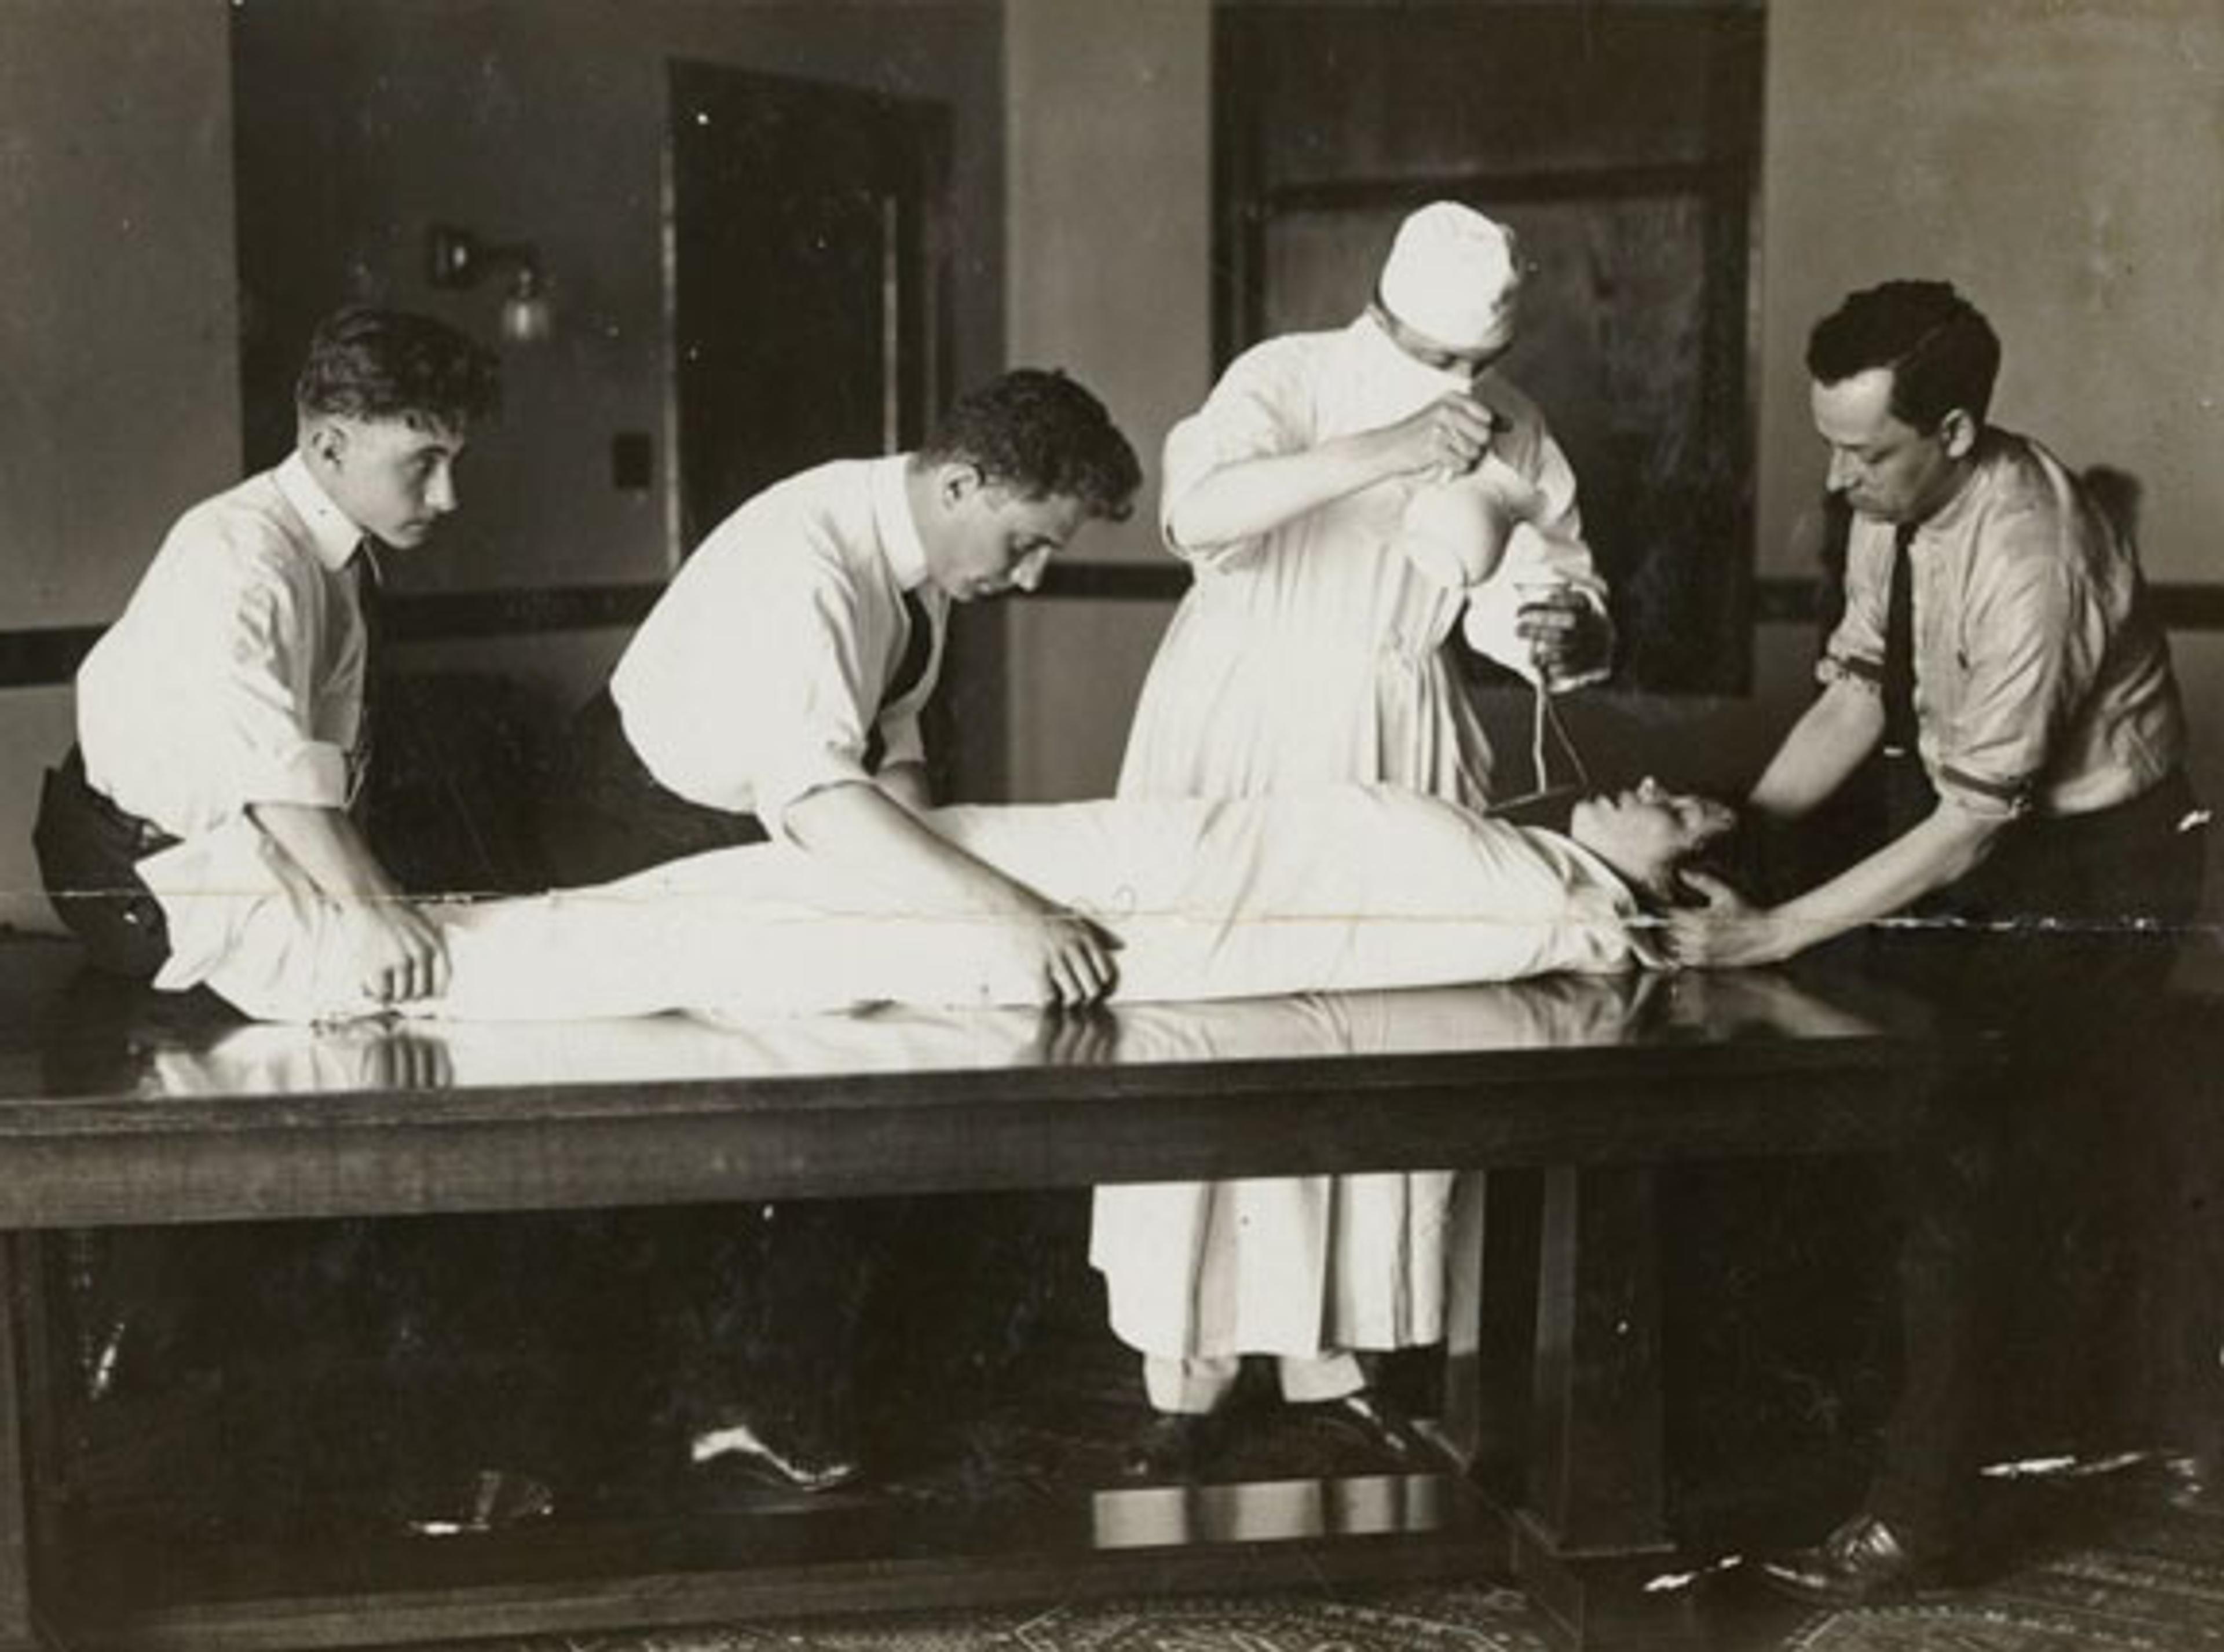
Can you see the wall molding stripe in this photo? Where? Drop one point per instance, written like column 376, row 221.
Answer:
column 47, row 656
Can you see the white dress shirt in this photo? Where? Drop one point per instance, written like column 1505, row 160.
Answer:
column 2042, row 680
column 758, row 677
column 234, row 676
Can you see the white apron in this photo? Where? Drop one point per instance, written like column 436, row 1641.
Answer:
column 1315, row 654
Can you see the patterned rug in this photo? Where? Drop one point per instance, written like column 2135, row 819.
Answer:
column 1422, row 1618
column 2153, row 1582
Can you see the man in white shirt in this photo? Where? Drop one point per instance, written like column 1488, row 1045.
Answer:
column 2000, row 652
column 233, row 683
column 230, row 695
column 775, row 691
column 776, row 688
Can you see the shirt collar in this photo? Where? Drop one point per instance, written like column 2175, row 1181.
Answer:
column 335, row 538
column 892, row 517
column 1942, row 520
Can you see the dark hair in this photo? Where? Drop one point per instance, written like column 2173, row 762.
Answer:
column 389, row 364
column 1041, row 434
column 1732, row 855
column 1943, row 353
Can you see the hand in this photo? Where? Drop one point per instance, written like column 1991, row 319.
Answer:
column 1084, row 1038
column 1727, row 931
column 399, row 954
column 1446, row 439
column 1070, row 956
column 1567, row 634
column 402, row 1059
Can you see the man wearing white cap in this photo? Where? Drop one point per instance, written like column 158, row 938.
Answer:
column 1347, row 499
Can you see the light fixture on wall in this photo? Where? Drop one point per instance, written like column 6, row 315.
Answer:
column 457, row 258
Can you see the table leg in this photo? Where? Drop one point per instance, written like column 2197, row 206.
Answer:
column 1594, row 1528
column 18, row 1278
column 1491, row 1324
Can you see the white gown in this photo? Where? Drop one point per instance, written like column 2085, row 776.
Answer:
column 1316, row 653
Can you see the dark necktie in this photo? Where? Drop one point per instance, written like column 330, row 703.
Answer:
column 918, row 647
column 369, row 599
column 1898, row 679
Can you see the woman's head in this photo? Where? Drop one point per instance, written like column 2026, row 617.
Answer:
column 1648, row 834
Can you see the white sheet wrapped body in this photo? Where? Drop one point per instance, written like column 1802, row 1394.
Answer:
column 1341, row 888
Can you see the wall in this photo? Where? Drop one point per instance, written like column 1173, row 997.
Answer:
column 1108, row 202
column 358, row 125
column 363, row 121
column 118, row 395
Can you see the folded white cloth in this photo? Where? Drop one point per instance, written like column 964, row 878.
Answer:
column 1457, row 533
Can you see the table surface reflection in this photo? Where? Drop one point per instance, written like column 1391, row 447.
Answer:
column 116, row 1101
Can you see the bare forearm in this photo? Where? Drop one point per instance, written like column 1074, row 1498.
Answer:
column 1825, row 746
column 907, row 783
column 862, row 829
column 398, row 954
column 1946, row 846
column 1254, row 496
column 1728, row 933
column 325, row 845
column 865, row 831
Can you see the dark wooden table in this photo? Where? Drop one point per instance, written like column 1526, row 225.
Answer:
column 118, row 1108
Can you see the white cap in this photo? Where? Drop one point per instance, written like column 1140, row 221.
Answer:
column 1453, row 274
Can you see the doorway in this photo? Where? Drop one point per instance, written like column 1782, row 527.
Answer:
column 803, row 231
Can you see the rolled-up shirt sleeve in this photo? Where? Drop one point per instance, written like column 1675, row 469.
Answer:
column 2031, row 647
column 1244, row 417
column 799, row 691
column 1856, row 651
column 259, row 626
column 901, row 740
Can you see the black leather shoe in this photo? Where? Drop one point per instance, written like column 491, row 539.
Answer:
column 1864, row 1562
column 1379, row 1421
column 476, row 1502
column 1175, row 1445
column 797, row 1459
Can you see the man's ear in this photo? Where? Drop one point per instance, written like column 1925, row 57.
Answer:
column 325, row 439
column 1957, row 433
column 957, row 479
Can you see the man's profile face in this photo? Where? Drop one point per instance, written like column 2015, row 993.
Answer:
column 1885, row 468
column 394, row 477
column 1647, row 831
column 989, row 539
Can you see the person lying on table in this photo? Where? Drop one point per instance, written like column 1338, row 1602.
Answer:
column 1321, row 889
column 2000, row 646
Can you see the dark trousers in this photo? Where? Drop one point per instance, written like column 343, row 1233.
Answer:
column 88, row 849
column 606, row 816
column 2062, row 941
